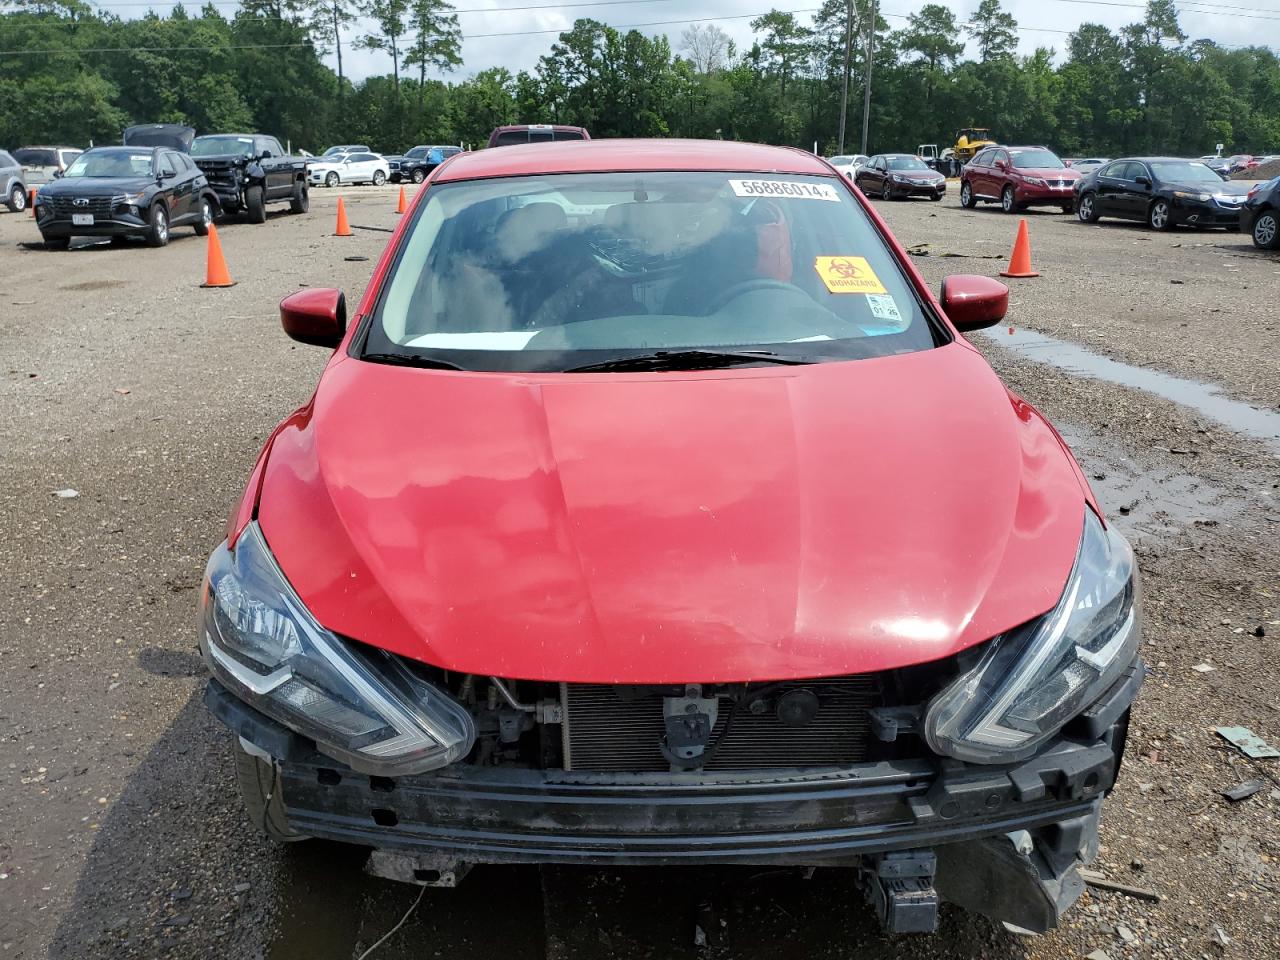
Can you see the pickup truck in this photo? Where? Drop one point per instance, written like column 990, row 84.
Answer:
column 250, row 170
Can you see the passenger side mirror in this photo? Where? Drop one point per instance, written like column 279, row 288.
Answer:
column 972, row 302
column 317, row 317
column 1142, row 181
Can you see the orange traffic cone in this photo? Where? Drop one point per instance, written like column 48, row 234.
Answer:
column 343, row 229
column 216, row 273
column 401, row 207
column 1020, row 260
column 31, row 201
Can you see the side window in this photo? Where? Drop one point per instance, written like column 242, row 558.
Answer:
column 1138, row 170
column 6, row 160
column 981, row 159
column 1002, row 156
column 270, row 146
column 167, row 165
column 69, row 156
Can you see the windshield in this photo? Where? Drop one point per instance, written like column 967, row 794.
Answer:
column 222, row 147
column 906, row 163
column 1184, row 171
column 550, row 272
column 35, row 157
column 116, row 163
column 1036, row 160
column 417, row 152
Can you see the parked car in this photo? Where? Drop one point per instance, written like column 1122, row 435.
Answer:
column 848, row 164
column 1219, row 165
column 1164, row 192
column 349, row 168
column 1017, row 178
column 418, row 162
column 535, row 133
column 249, row 170
column 896, row 176
column 42, row 164
column 174, row 136
column 125, row 192
column 700, row 413
column 347, row 148
column 13, row 183
column 1241, row 161
column 1260, row 216
column 1086, row 164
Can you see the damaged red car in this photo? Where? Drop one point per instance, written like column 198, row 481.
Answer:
column 651, row 510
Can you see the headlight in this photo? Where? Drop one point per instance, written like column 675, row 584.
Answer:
column 363, row 707
column 1034, row 181
column 1187, row 195
column 1032, row 680
column 898, row 178
column 133, row 199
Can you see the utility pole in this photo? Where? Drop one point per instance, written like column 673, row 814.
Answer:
column 844, row 91
column 866, row 92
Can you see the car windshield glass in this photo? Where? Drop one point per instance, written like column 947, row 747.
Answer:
column 907, row 163
column 417, row 152
column 222, row 146
column 34, row 157
column 1184, row 171
column 841, row 161
column 551, row 272
column 1036, row 160
column 113, row 163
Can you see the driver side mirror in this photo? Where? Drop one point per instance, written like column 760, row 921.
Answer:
column 1142, row 181
column 317, row 317
column 972, row 302
column 1002, row 164
column 57, row 174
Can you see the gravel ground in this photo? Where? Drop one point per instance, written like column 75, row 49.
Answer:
column 120, row 831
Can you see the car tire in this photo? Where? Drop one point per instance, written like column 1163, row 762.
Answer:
column 967, row 199
column 1266, row 231
column 261, row 789
column 936, row 197
column 300, row 202
column 17, row 199
column 886, row 191
column 379, row 178
column 1086, row 209
column 255, row 205
column 331, row 178
column 1008, row 203
column 418, row 176
column 56, row 243
column 206, row 217
column 1159, row 216
column 158, row 217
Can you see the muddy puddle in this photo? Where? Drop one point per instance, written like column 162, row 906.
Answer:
column 1205, row 399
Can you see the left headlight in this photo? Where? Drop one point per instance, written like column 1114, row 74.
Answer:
column 361, row 706
column 1030, row 681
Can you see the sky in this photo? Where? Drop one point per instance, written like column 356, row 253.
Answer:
column 528, row 34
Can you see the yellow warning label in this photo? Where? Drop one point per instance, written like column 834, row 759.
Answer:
column 848, row 275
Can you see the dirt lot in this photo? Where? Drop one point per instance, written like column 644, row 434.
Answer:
column 120, row 831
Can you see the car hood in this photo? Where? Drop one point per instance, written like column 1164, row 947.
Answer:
column 176, row 136
column 96, row 186
column 757, row 524
column 1228, row 188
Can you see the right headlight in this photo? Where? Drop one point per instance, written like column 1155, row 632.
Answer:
column 360, row 705
column 1030, row 681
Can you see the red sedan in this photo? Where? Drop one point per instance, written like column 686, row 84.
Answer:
column 652, row 510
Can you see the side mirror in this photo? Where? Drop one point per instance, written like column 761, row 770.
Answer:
column 972, row 302
column 57, row 174
column 317, row 317
column 1142, row 181
column 1002, row 164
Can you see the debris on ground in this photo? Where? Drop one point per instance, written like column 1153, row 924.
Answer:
column 1242, row 791
column 1247, row 742
column 67, row 494
column 1098, row 881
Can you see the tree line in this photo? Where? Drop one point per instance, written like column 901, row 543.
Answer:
column 71, row 73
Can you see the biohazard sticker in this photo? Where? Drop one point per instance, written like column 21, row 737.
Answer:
column 785, row 190
column 848, row 275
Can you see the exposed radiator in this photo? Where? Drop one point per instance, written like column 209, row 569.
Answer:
column 605, row 731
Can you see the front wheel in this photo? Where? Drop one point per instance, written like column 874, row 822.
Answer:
column 300, row 202
column 1007, row 202
column 17, row 200
column 255, row 205
column 1159, row 217
column 418, row 176
column 158, row 234
column 379, row 178
column 332, row 179
column 206, row 218
column 1266, row 231
column 886, row 192
column 967, row 199
column 262, row 789
column 1086, row 209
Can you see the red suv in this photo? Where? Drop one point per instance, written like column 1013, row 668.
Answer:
column 1018, row 177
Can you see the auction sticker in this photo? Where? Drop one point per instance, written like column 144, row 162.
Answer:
column 848, row 275
column 785, row 189
column 883, row 308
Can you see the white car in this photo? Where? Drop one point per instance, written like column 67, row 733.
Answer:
column 848, row 164
column 349, row 168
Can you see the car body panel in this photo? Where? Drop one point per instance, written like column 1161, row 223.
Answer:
column 620, row 528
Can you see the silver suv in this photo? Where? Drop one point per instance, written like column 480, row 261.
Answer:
column 43, row 163
column 15, row 186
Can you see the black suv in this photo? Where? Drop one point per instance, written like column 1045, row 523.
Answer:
column 250, row 170
column 140, row 191
column 1260, row 216
column 418, row 162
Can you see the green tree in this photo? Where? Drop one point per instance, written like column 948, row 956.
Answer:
column 993, row 30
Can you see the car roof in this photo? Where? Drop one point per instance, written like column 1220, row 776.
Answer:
column 46, row 146
column 599, row 156
column 137, row 148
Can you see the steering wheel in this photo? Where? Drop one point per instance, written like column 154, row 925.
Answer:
column 753, row 286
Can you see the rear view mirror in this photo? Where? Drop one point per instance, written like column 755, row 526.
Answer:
column 317, row 317
column 972, row 302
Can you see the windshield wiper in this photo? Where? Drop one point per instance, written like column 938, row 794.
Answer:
column 687, row 360
column 412, row 360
